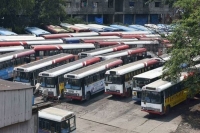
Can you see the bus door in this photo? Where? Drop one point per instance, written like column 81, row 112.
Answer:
column 83, row 83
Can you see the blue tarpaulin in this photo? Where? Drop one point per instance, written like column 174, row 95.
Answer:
column 141, row 19
column 99, row 20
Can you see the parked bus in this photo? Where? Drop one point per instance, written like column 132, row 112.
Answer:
column 139, row 27
column 83, row 83
column 123, row 28
column 143, row 79
column 42, row 51
column 56, row 29
column 119, row 80
column 158, row 97
column 27, row 44
column 55, row 120
column 103, row 50
column 67, row 35
column 6, row 32
column 21, row 39
column 153, row 46
column 52, row 81
column 77, row 29
column 129, row 55
column 28, row 73
column 10, row 60
column 36, row 31
column 139, row 35
column 4, row 50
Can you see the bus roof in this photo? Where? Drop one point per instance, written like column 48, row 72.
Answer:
column 105, row 50
column 141, row 42
column 84, row 34
column 44, row 62
column 56, row 29
column 13, row 48
column 22, row 39
column 69, row 67
column 86, row 71
column 6, row 32
column 19, row 43
column 36, row 31
column 55, row 114
column 122, row 53
column 132, row 66
column 16, row 54
column 151, row 74
column 124, row 28
column 160, row 85
column 63, row 46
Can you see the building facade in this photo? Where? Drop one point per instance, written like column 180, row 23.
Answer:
column 121, row 11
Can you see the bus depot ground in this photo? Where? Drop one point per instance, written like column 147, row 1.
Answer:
column 108, row 114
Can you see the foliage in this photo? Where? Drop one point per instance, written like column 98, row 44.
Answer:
column 73, row 21
column 49, row 11
column 186, row 43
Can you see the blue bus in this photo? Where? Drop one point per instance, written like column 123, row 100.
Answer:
column 36, row 31
column 139, row 27
column 124, row 28
column 6, row 32
column 111, row 29
column 10, row 60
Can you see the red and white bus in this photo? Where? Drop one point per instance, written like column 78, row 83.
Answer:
column 103, row 50
column 21, row 39
column 28, row 74
column 42, row 51
column 63, row 35
column 139, row 35
column 27, row 44
column 119, row 80
column 84, row 82
column 10, row 60
column 52, row 81
column 128, row 55
column 4, row 50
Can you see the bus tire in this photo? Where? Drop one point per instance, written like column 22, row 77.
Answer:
column 167, row 110
column 88, row 96
column 128, row 92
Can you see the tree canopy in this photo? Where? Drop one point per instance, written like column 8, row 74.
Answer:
column 186, row 44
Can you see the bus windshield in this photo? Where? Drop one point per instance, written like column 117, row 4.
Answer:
column 22, row 77
column 73, row 84
column 114, row 79
column 48, row 82
column 140, row 82
column 151, row 97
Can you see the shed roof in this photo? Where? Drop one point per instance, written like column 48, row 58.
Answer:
column 8, row 85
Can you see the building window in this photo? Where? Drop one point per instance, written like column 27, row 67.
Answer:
column 157, row 4
column 131, row 4
column 110, row 3
column 95, row 4
column 83, row 3
column 77, row 5
column 68, row 4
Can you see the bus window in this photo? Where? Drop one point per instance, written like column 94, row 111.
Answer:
column 72, row 123
column 65, row 127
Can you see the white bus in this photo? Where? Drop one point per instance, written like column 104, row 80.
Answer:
column 103, row 50
column 83, row 83
column 52, row 81
column 159, row 96
column 55, row 120
column 119, row 80
column 128, row 55
column 143, row 79
column 4, row 50
column 28, row 73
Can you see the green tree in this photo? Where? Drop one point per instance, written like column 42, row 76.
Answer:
column 186, row 44
column 49, row 11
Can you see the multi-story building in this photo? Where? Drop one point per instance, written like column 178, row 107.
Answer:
column 122, row 11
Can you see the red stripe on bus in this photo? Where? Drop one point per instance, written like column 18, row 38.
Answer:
column 132, row 36
column 3, row 44
column 151, row 62
column 136, row 51
column 47, row 47
column 91, row 61
column 24, row 42
column 24, row 54
column 56, row 36
column 104, row 43
column 63, row 58
column 115, row 63
column 122, row 47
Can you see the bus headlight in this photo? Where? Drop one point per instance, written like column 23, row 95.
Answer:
column 77, row 94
